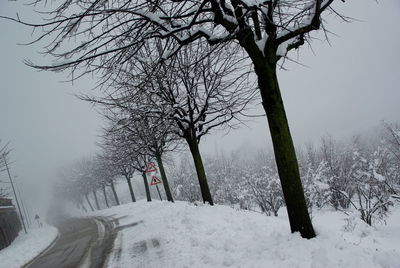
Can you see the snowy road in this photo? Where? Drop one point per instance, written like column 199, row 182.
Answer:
column 82, row 243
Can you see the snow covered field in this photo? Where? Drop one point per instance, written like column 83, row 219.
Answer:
column 161, row 234
column 27, row 246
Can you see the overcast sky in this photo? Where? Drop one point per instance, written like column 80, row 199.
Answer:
column 345, row 88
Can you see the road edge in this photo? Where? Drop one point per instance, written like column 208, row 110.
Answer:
column 43, row 251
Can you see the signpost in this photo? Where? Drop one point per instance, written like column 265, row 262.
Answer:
column 154, row 180
column 151, row 168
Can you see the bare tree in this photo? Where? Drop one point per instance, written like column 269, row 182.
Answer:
column 114, row 153
column 112, row 172
column 126, row 154
column 153, row 134
column 76, row 182
column 4, row 152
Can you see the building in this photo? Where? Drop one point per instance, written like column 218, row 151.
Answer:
column 10, row 224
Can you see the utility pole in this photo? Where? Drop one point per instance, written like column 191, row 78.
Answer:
column 21, row 198
column 15, row 194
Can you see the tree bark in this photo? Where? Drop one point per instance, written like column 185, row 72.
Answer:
column 164, row 178
column 146, row 186
column 105, row 196
column 87, row 200
column 201, row 174
column 285, row 155
column 114, row 193
column 96, row 200
column 128, row 180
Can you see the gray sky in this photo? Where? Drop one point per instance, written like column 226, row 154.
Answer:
column 346, row 88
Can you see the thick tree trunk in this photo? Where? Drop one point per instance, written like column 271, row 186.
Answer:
column 201, row 174
column 96, row 200
column 87, row 200
column 146, row 186
column 128, row 180
column 114, row 193
column 285, row 154
column 105, row 196
column 164, row 178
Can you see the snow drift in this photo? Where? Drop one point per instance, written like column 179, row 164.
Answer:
column 162, row 234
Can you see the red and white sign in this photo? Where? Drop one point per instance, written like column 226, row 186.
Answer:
column 155, row 180
column 151, row 168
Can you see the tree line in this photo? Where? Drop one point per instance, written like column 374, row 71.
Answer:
column 360, row 175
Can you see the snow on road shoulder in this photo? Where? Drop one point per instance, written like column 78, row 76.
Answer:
column 27, row 246
column 161, row 234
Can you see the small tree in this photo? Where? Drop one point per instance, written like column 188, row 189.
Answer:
column 373, row 195
column 262, row 181
column 4, row 152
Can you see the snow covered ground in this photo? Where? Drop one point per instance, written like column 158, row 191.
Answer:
column 27, row 246
column 161, row 234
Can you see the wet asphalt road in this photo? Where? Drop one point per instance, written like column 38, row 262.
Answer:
column 80, row 244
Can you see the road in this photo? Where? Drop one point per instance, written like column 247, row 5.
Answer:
column 83, row 242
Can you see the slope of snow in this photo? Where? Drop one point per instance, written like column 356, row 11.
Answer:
column 27, row 246
column 161, row 234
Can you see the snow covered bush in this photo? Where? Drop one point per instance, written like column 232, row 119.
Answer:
column 391, row 142
column 360, row 176
column 372, row 194
column 315, row 184
column 263, row 184
column 184, row 185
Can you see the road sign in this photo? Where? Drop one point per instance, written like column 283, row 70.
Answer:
column 155, row 180
column 151, row 168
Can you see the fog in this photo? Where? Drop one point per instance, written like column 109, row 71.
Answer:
column 340, row 89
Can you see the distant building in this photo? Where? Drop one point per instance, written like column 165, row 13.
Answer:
column 5, row 202
column 10, row 224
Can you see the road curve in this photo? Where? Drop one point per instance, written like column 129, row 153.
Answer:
column 82, row 242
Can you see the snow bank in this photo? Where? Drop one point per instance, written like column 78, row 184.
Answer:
column 161, row 234
column 27, row 246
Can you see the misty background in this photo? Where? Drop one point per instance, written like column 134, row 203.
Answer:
column 341, row 89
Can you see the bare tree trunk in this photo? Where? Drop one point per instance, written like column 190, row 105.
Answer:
column 105, row 196
column 87, row 200
column 201, row 174
column 285, row 155
column 114, row 193
column 128, row 180
column 164, row 178
column 96, row 200
column 146, row 187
